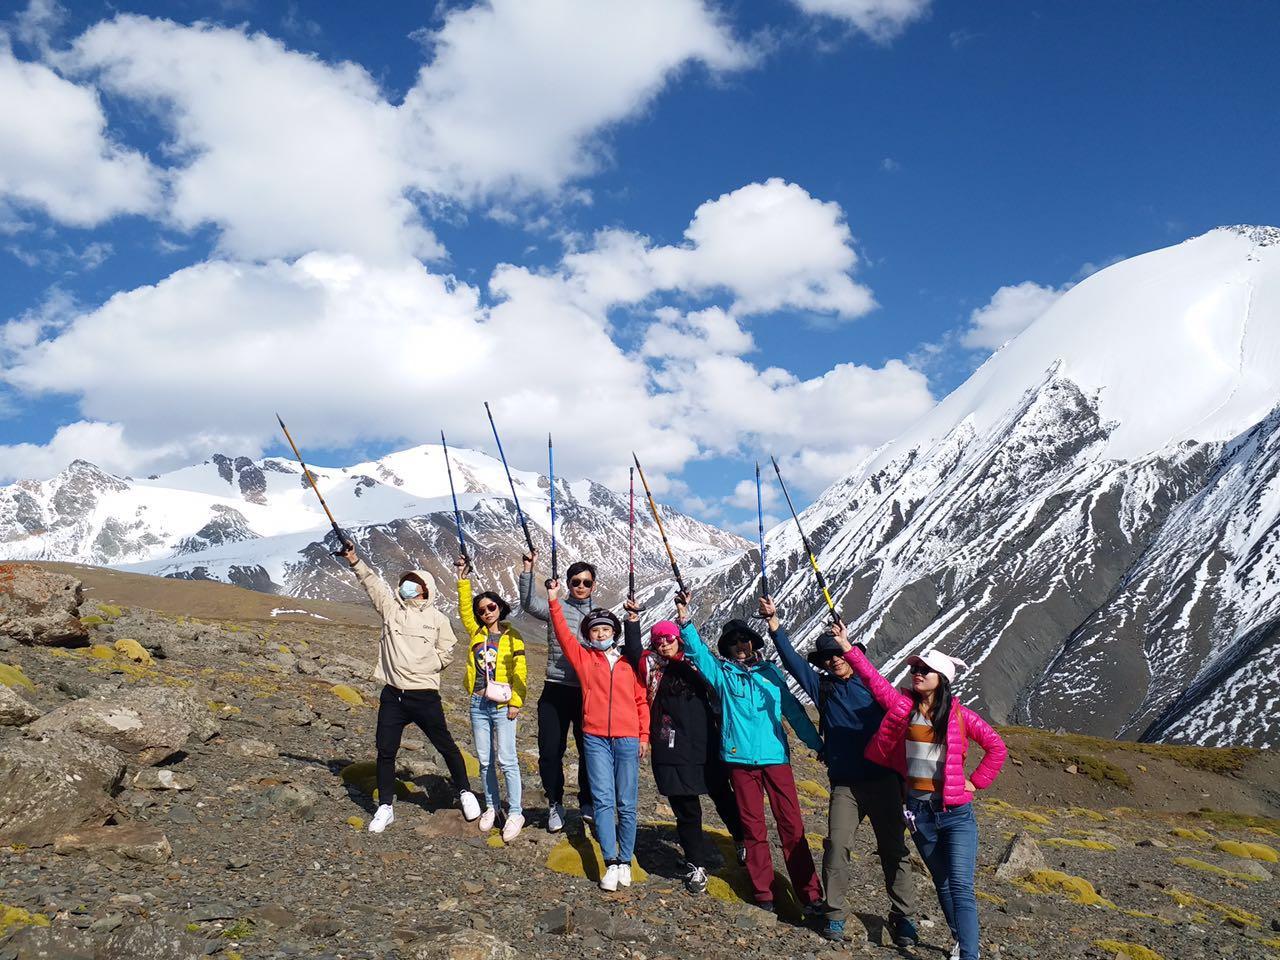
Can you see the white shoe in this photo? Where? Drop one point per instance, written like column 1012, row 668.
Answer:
column 511, row 829
column 624, row 874
column 470, row 806
column 610, row 879
column 383, row 818
column 555, row 818
column 487, row 818
column 955, row 951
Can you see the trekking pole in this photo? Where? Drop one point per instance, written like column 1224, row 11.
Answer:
column 457, row 514
column 653, row 507
column 551, row 467
column 764, row 576
column 343, row 540
column 524, row 525
column 631, row 540
column 813, row 560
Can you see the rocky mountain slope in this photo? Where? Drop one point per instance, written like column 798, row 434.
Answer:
column 1091, row 520
column 257, row 524
column 177, row 787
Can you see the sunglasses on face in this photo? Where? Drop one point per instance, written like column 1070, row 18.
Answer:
column 488, row 607
column 919, row 670
column 582, row 582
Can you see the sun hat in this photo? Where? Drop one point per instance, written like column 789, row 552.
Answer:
column 938, row 662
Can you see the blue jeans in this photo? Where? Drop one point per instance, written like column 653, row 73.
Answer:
column 948, row 844
column 489, row 718
column 613, row 767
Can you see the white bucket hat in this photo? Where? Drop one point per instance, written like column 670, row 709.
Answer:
column 939, row 662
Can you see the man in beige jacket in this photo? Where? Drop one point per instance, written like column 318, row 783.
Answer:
column 417, row 645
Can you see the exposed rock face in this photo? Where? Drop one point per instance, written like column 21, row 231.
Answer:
column 1021, row 857
column 14, row 708
column 48, row 786
column 148, row 724
column 40, row 608
column 130, row 841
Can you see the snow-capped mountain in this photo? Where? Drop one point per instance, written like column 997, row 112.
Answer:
column 256, row 523
column 1091, row 521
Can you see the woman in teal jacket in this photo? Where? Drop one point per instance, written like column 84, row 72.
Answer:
column 753, row 700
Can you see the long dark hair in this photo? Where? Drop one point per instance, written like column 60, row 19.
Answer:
column 504, row 608
column 941, row 713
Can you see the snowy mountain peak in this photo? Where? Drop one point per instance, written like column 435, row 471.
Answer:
column 1261, row 235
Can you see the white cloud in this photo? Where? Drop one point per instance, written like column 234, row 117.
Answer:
column 1010, row 311
column 284, row 153
column 882, row 20
column 744, row 493
column 771, row 245
column 104, row 444
column 55, row 154
column 518, row 91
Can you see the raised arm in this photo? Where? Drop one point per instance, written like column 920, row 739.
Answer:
column 379, row 593
column 632, row 646
column 569, row 645
column 465, row 612
column 642, row 710
column 794, row 664
column 532, row 602
column 697, row 651
column 884, row 692
column 995, row 752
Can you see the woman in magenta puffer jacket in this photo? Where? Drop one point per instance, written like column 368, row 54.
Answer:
column 924, row 736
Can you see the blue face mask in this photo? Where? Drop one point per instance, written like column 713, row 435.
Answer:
column 410, row 590
column 603, row 644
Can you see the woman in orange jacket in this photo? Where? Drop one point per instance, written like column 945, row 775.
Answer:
column 615, row 727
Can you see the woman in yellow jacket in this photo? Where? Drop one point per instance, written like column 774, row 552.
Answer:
column 496, row 681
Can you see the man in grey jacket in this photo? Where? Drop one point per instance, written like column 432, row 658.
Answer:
column 560, row 703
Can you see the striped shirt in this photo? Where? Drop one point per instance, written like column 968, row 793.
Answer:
column 925, row 757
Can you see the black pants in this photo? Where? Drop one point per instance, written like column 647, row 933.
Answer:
column 396, row 710
column 559, row 708
column 688, row 811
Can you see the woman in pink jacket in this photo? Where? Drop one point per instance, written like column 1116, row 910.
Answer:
column 924, row 736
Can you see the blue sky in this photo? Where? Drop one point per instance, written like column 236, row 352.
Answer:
column 957, row 164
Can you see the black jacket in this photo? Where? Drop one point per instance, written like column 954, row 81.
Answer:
column 684, row 731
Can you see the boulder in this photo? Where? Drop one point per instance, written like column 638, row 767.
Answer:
column 460, row 945
column 14, row 708
column 153, row 941
column 290, row 799
column 148, row 724
column 131, row 841
column 1021, row 857
column 52, row 785
column 47, row 942
column 40, row 608
column 151, row 778
column 249, row 747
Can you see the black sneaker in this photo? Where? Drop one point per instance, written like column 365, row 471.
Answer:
column 904, row 932
column 816, row 909
column 767, row 906
column 695, row 880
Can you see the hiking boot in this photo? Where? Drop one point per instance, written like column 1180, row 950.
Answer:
column 470, row 806
column 487, row 818
column 904, row 932
column 818, row 908
column 695, row 879
column 833, row 930
column 383, row 818
column 511, row 829
column 588, row 811
column 609, row 881
column 555, row 818
column 624, row 874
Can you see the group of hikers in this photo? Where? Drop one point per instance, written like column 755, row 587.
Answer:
column 711, row 725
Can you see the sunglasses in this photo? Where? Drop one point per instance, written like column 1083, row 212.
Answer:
column 582, row 582
column 920, row 670
column 488, row 607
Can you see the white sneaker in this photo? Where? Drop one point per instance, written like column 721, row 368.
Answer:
column 624, row 874
column 610, row 879
column 555, row 818
column 487, row 818
column 511, row 829
column 955, row 951
column 470, row 806
column 383, row 818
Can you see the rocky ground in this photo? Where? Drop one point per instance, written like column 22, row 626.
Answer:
column 173, row 787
